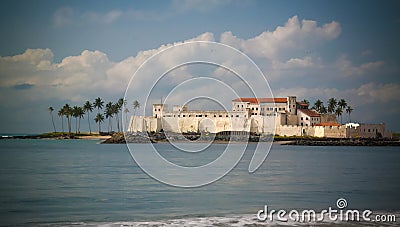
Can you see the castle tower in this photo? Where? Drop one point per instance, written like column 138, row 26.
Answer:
column 291, row 105
column 158, row 110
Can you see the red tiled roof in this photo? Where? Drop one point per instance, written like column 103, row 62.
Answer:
column 261, row 100
column 328, row 124
column 310, row 113
column 302, row 103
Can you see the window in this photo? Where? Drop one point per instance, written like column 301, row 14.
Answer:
column 205, row 115
column 227, row 115
column 159, row 110
column 307, row 118
column 301, row 118
column 306, row 124
column 369, row 130
column 190, row 115
column 255, row 113
column 302, row 124
column 238, row 106
column 220, row 115
column 242, row 106
column 200, row 115
column 215, row 115
column 252, row 108
column 184, row 115
column 237, row 115
column 256, row 108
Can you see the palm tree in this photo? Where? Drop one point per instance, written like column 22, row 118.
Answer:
column 339, row 112
column 75, row 114
column 51, row 109
column 99, row 118
column 81, row 114
column 109, row 114
column 349, row 110
column 342, row 104
column 61, row 114
column 126, row 111
column 120, row 104
column 323, row 110
column 332, row 103
column 68, row 113
column 317, row 105
column 136, row 105
column 98, row 103
column 88, row 108
column 115, row 110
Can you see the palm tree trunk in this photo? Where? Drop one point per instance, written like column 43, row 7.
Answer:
column 76, row 125
column 79, row 125
column 126, row 121
column 69, row 124
column 90, row 130
column 109, row 121
column 52, row 120
column 117, row 119
column 62, row 123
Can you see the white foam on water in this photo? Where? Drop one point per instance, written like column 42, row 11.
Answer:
column 230, row 220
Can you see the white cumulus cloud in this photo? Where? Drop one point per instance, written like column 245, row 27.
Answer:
column 293, row 35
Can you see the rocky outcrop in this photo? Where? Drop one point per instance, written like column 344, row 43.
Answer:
column 118, row 138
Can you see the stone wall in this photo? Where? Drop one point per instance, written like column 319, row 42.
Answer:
column 334, row 131
column 288, row 130
column 368, row 131
column 328, row 118
column 255, row 124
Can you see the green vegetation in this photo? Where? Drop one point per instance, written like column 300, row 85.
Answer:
column 334, row 107
column 112, row 110
column 396, row 135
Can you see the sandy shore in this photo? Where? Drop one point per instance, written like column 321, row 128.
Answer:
column 93, row 137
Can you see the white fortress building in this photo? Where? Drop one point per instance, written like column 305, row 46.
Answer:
column 282, row 116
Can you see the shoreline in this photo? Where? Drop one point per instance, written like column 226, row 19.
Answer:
column 59, row 136
column 119, row 138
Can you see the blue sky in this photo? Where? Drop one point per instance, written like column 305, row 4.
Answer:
column 353, row 51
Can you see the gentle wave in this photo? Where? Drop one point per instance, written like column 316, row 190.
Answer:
column 232, row 220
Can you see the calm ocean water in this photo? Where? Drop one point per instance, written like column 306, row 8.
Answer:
column 84, row 182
